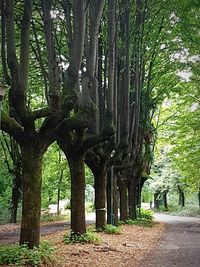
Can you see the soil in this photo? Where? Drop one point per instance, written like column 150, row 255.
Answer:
column 174, row 241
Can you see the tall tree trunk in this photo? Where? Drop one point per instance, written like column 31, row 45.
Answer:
column 115, row 201
column 123, row 200
column 156, row 201
column 16, row 192
column 132, row 199
column 181, row 196
column 58, row 201
column 165, row 200
column 100, row 197
column 199, row 197
column 59, row 190
column 110, row 197
column 77, row 170
column 31, row 205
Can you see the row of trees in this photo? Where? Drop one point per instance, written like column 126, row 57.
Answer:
column 88, row 75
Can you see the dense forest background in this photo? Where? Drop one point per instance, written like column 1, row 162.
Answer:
column 102, row 100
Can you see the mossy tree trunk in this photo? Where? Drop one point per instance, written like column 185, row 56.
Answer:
column 123, row 200
column 115, row 201
column 16, row 191
column 109, row 191
column 31, row 204
column 100, row 177
column 77, row 170
column 132, row 199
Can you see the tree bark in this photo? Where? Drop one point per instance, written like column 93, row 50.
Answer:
column 16, row 192
column 165, row 201
column 156, row 201
column 76, row 165
column 132, row 199
column 31, row 205
column 100, row 197
column 181, row 201
column 110, row 197
column 115, row 201
column 123, row 200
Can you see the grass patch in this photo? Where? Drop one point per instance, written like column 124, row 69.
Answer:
column 22, row 255
column 88, row 237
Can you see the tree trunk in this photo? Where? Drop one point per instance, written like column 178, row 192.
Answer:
column 132, row 199
column 156, row 201
column 59, row 186
column 165, row 201
column 110, row 197
column 31, row 204
column 58, row 201
column 100, row 197
column 181, row 201
column 123, row 200
column 115, row 201
column 199, row 197
column 77, row 170
column 16, row 192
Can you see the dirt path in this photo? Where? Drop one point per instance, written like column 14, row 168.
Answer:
column 11, row 233
column 179, row 246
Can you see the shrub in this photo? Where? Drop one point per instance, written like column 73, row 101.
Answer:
column 146, row 214
column 88, row 237
column 111, row 229
column 22, row 255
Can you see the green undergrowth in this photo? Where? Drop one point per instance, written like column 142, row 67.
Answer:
column 21, row 255
column 111, row 229
column 144, row 218
column 188, row 210
column 89, row 237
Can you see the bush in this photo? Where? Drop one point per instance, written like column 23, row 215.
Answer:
column 145, row 214
column 88, row 237
column 22, row 255
column 111, row 229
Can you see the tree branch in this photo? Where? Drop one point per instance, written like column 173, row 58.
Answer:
column 12, row 127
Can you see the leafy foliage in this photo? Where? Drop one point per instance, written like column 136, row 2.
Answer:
column 88, row 237
column 111, row 229
column 145, row 214
column 22, row 255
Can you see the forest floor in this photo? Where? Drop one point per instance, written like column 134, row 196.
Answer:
column 174, row 241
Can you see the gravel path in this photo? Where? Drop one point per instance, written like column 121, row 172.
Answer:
column 180, row 245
